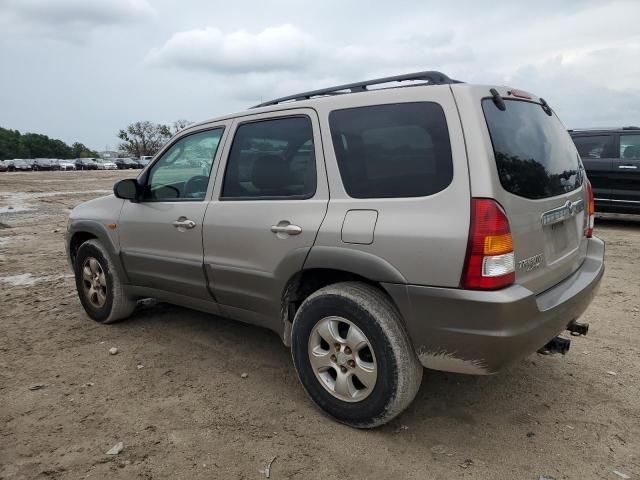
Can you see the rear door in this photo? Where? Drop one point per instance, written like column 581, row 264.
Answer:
column 598, row 153
column 272, row 198
column 625, row 185
column 533, row 170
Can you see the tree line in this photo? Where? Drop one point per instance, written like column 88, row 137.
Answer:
column 14, row 144
column 138, row 139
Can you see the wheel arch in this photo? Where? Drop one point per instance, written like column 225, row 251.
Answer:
column 84, row 230
column 329, row 265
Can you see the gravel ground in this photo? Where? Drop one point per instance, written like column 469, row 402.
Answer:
column 175, row 396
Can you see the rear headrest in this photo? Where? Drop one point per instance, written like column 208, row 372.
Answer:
column 270, row 172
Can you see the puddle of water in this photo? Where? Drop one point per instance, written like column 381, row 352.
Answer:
column 26, row 279
column 19, row 280
column 12, row 239
column 16, row 202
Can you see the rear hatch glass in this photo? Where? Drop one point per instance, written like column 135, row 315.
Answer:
column 534, row 153
column 538, row 164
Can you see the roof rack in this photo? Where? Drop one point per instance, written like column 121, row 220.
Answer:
column 428, row 78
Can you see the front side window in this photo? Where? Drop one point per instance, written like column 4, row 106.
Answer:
column 533, row 151
column 271, row 159
column 397, row 150
column 182, row 173
column 630, row 147
column 593, row 146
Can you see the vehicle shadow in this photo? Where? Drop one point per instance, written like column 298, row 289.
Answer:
column 447, row 405
column 617, row 220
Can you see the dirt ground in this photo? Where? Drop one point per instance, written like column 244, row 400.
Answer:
column 175, row 397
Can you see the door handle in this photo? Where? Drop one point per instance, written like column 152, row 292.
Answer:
column 184, row 223
column 286, row 228
column 628, row 167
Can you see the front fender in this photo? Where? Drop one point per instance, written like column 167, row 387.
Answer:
column 90, row 220
column 99, row 231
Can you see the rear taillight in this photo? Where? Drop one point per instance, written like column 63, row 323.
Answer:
column 591, row 211
column 490, row 262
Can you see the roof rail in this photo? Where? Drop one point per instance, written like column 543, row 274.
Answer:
column 429, row 78
column 601, row 129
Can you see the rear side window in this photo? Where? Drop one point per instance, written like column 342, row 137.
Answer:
column 271, row 159
column 630, row 147
column 594, row 146
column 534, row 153
column 397, row 150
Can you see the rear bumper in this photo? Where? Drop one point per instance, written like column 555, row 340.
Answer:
column 477, row 332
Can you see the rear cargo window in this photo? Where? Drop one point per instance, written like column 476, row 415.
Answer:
column 534, row 153
column 397, row 150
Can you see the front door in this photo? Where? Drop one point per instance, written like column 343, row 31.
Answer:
column 272, row 199
column 161, row 235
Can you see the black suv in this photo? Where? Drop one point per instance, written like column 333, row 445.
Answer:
column 611, row 157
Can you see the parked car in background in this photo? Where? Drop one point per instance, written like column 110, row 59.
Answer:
column 66, row 165
column 30, row 162
column 125, row 163
column 86, row 164
column 142, row 161
column 136, row 162
column 45, row 164
column 611, row 157
column 443, row 224
column 19, row 165
column 103, row 164
column 3, row 166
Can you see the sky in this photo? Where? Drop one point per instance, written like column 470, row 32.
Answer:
column 80, row 70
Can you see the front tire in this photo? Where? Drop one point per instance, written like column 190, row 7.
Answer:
column 99, row 286
column 353, row 356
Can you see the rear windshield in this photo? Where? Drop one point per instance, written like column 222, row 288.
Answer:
column 534, row 153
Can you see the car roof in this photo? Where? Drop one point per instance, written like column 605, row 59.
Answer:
column 313, row 98
column 386, row 91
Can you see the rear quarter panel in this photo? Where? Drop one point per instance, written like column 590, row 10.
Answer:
column 423, row 238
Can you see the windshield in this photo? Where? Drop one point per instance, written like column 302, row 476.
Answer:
column 534, row 153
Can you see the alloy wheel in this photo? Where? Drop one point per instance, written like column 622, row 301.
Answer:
column 342, row 359
column 94, row 282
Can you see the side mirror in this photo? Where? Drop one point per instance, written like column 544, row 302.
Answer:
column 127, row 189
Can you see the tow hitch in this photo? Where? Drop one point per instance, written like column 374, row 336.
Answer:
column 578, row 329
column 557, row 345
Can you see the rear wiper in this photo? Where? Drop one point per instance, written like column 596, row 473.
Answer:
column 545, row 106
column 497, row 99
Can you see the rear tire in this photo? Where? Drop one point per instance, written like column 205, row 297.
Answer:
column 99, row 287
column 375, row 358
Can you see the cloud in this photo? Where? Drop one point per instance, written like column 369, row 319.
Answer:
column 283, row 48
column 580, row 55
column 69, row 19
column 575, row 86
